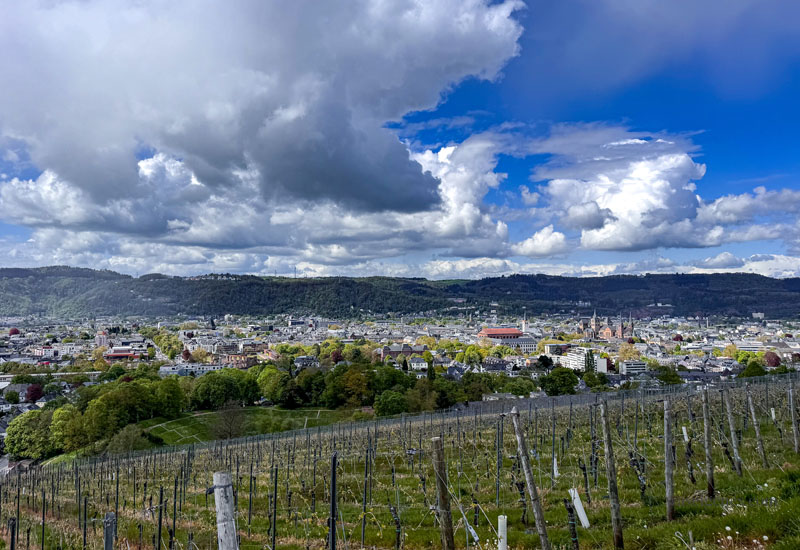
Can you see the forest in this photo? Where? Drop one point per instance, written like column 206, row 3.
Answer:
column 74, row 293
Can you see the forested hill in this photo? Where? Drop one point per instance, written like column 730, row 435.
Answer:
column 74, row 292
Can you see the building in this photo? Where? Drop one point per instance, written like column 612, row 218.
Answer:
column 122, row 353
column 632, row 367
column 101, row 339
column 306, row 362
column 523, row 344
column 579, row 359
column 502, row 333
column 417, row 364
column 396, row 350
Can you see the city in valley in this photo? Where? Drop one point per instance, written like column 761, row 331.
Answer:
column 79, row 373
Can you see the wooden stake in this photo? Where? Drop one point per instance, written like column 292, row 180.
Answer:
column 533, row 493
column 737, row 461
column 670, row 498
column 707, row 445
column 793, row 414
column 443, row 509
column 223, row 501
column 757, row 427
column 611, row 472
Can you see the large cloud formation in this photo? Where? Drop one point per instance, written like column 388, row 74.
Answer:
column 247, row 136
column 292, row 95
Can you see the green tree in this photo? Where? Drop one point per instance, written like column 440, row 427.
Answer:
column 753, row 368
column 28, row 436
column 561, row 381
column 12, row 397
column 390, row 403
column 66, row 429
column 130, row 438
column 213, row 390
column 668, row 376
column 170, row 397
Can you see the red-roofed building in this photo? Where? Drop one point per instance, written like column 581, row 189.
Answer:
column 500, row 333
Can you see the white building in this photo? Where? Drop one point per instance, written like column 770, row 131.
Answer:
column 632, row 367
column 577, row 358
column 523, row 344
column 418, row 364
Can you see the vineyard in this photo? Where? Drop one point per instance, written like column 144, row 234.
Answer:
column 691, row 468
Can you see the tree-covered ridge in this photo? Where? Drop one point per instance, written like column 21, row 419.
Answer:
column 74, row 292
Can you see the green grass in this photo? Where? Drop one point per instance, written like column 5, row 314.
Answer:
column 199, row 427
column 764, row 502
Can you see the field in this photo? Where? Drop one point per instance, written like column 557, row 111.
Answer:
column 199, row 427
column 386, row 486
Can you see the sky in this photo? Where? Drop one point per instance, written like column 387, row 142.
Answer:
column 416, row 138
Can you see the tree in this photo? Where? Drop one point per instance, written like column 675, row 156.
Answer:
column 677, row 338
column 561, row 381
column 390, row 403
column 544, row 362
column 34, row 393
column 66, row 429
column 213, row 390
column 230, row 421
column 12, row 397
column 588, row 362
column 431, row 373
column 595, row 379
column 28, row 436
column 668, row 376
column 186, row 355
column 170, row 398
column 627, row 352
column 130, row 438
column 772, row 359
column 753, row 368
column 13, row 332
column 730, row 351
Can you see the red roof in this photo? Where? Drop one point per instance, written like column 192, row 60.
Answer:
column 501, row 332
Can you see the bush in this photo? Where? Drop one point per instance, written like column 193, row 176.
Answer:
column 130, row 438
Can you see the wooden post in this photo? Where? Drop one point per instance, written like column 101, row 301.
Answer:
column 573, row 530
column 670, row 499
column 274, row 521
column 757, row 428
column 12, row 533
column 332, row 519
column 443, row 494
column 737, row 461
column 160, row 516
column 44, row 508
column 530, row 483
column 707, row 445
column 793, row 415
column 611, row 473
column 109, row 528
column 223, row 501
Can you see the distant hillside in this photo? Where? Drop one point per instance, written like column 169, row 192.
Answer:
column 73, row 292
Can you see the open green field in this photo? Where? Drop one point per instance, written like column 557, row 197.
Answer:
column 199, row 427
column 385, row 480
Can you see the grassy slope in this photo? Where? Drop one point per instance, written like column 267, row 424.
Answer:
column 765, row 502
column 197, row 427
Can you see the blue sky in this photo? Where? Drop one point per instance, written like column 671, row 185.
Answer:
column 437, row 139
